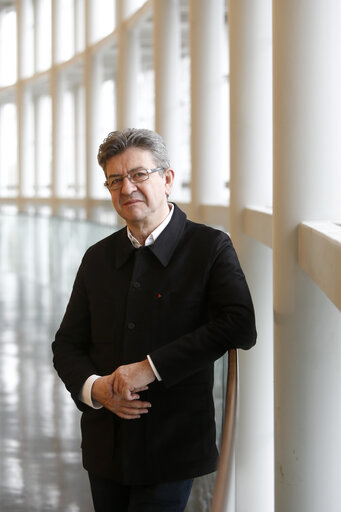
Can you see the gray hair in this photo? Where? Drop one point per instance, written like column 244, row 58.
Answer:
column 118, row 141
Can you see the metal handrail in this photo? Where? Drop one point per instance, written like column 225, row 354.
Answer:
column 223, row 478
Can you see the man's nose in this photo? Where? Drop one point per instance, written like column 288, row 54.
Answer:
column 127, row 185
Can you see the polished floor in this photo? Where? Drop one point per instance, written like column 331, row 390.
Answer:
column 40, row 466
column 40, row 463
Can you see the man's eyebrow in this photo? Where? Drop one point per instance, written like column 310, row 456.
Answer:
column 130, row 170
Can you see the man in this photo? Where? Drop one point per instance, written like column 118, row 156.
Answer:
column 152, row 307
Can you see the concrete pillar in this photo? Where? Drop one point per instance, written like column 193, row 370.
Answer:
column 251, row 172
column 167, row 51
column 206, row 142
column 307, row 330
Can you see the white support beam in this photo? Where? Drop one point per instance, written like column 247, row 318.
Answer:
column 319, row 255
column 206, row 29
column 307, row 326
column 251, row 183
column 258, row 224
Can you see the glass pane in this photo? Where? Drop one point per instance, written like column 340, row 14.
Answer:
column 183, row 192
column 105, row 121
column 65, row 45
column 80, row 25
column 43, row 145
column 71, row 162
column 107, row 107
column 102, row 18
column 8, row 151
column 184, row 172
column 146, row 104
column 80, row 162
column 145, row 78
column 43, row 34
column 133, row 5
column 66, row 169
column 224, row 91
column 28, row 155
column 37, row 144
column 27, row 50
column 8, row 46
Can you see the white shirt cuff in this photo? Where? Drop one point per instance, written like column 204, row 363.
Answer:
column 85, row 393
column 157, row 375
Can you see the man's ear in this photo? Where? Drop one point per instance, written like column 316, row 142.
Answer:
column 169, row 180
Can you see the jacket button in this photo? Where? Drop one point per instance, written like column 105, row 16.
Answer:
column 136, row 284
column 131, row 325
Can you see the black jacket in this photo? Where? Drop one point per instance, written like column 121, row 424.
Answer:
column 185, row 302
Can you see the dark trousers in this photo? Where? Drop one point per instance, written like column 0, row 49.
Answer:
column 109, row 496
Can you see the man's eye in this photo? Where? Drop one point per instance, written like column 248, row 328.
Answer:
column 138, row 174
column 115, row 181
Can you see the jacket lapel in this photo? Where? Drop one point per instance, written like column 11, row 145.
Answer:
column 119, row 247
column 166, row 243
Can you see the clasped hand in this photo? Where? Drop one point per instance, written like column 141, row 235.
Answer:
column 118, row 391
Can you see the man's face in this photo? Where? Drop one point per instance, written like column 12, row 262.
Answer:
column 142, row 203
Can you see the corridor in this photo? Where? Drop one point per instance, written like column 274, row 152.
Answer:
column 40, row 466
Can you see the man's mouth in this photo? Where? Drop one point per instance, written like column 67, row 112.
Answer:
column 131, row 202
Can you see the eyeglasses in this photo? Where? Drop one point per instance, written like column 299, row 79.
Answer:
column 134, row 176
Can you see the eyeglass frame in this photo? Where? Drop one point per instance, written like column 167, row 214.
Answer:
column 130, row 178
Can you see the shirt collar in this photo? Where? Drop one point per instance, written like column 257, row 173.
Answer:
column 154, row 234
column 120, row 248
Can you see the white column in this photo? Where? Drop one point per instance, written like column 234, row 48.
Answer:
column 124, row 8
column 251, row 180
column 94, row 81
column 167, row 50
column 55, row 105
column 307, row 325
column 1, row 145
column 55, row 146
column 206, row 142
column 90, row 114
column 127, row 70
column 19, row 101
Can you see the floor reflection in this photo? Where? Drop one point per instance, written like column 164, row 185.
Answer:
column 40, row 467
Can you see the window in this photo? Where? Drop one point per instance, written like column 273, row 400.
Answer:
column 37, row 150
column 27, row 39
column 102, row 18
column 145, row 76
column 8, row 46
column 184, row 172
column 104, row 108
column 71, row 166
column 42, row 23
column 76, row 84
column 8, row 150
column 65, row 47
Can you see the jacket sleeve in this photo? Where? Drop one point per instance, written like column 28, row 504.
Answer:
column 70, row 347
column 230, row 324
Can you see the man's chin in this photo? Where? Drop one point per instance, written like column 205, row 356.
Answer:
column 132, row 214
column 131, row 209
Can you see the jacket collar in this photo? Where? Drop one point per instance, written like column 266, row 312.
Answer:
column 164, row 246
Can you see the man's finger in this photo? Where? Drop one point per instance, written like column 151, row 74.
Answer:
column 144, row 388
column 128, row 412
column 137, row 404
